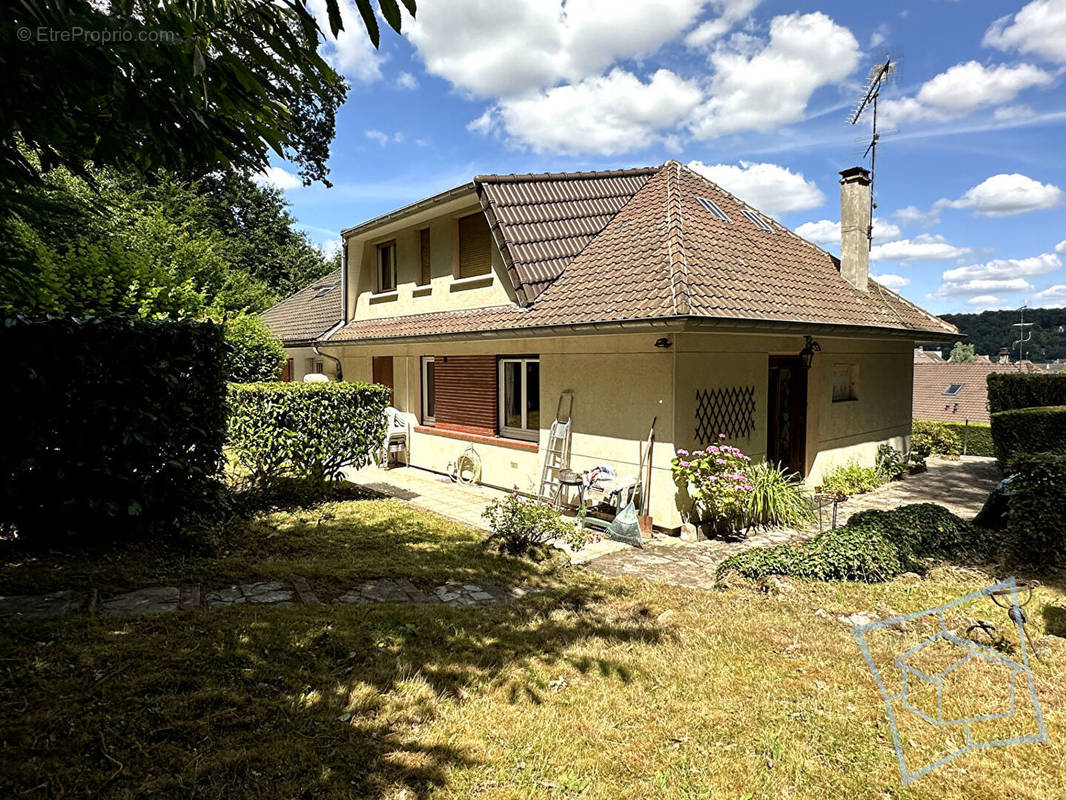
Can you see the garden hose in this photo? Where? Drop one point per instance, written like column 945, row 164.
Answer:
column 468, row 467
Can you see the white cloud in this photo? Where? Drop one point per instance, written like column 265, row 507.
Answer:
column 1006, row 268
column 768, row 187
column 382, row 138
column 730, row 12
column 912, row 215
column 760, row 86
column 924, row 247
column 1053, row 296
column 1060, row 248
column 351, row 53
column 982, row 286
column 278, row 178
column 496, row 49
column 1006, row 194
column 607, row 115
column 826, row 231
column 405, row 80
column 1013, row 113
column 985, row 300
column 329, row 248
column 963, row 89
column 892, row 281
column 1038, row 29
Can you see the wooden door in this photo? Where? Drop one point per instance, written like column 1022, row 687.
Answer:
column 382, row 371
column 786, row 426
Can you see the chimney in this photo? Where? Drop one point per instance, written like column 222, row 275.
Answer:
column 855, row 226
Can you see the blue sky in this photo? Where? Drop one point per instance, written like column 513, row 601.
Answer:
column 971, row 178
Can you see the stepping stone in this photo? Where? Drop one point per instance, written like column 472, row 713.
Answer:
column 143, row 602
column 224, row 597
column 303, row 591
column 39, row 605
column 352, row 597
column 189, row 598
column 267, row 592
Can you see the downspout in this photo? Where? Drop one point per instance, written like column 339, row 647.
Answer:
column 334, row 359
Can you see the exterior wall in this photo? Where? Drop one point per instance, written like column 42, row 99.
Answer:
column 299, row 356
column 622, row 381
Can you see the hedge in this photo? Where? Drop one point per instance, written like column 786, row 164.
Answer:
column 115, row 426
column 1029, row 430
column 1011, row 390
column 1035, row 507
column 975, row 439
column 310, row 430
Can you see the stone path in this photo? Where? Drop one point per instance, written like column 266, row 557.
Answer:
column 962, row 486
column 156, row 600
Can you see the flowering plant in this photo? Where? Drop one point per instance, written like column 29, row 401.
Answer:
column 718, row 483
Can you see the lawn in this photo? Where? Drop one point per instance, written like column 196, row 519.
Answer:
column 589, row 688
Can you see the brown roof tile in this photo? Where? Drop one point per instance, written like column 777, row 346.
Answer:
column 309, row 313
column 969, row 403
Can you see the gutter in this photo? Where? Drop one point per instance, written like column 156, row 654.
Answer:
column 407, row 210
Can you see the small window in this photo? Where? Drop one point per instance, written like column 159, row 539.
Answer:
column 712, row 206
column 519, row 387
column 429, row 390
column 844, row 379
column 314, row 366
column 758, row 221
column 953, row 389
column 386, row 267
column 425, row 274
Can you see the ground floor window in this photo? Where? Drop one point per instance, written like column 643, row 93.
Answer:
column 429, row 390
column 519, row 398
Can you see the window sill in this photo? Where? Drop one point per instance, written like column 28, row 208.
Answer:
column 499, row 441
column 846, row 400
column 384, row 297
column 476, row 282
column 422, row 291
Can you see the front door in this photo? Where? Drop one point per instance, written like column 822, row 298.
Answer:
column 786, row 428
column 382, row 372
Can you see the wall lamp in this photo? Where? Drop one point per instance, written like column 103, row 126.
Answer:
column 808, row 351
column 664, row 343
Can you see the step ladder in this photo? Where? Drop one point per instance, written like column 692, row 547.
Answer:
column 557, row 452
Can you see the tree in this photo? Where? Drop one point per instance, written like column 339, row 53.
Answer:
column 962, row 353
column 183, row 85
column 254, row 353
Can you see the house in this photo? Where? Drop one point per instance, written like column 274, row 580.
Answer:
column 923, row 356
column 958, row 392
column 654, row 296
column 301, row 320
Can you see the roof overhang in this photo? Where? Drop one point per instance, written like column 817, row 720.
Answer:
column 406, row 212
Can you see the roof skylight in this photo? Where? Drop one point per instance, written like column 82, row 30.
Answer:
column 953, row 389
column 758, row 221
column 323, row 291
column 712, row 206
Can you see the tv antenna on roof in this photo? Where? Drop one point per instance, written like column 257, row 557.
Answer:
column 879, row 75
column 1022, row 337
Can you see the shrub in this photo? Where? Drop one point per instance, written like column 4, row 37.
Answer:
column 522, row 526
column 1035, row 507
column 851, row 479
column 777, row 497
column 874, row 546
column 717, row 484
column 115, row 426
column 975, row 438
column 1011, row 390
column 930, row 437
column 253, row 352
column 309, row 430
column 1029, row 430
column 891, row 463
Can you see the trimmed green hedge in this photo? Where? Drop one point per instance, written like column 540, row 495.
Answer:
column 928, row 437
column 114, row 426
column 1011, row 390
column 1029, row 430
column 1036, row 506
column 310, row 430
column 874, row 546
column 975, row 439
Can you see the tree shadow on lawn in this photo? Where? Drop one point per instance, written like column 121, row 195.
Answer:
column 272, row 702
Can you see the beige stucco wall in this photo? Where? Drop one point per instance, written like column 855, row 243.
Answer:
column 620, row 382
column 299, row 356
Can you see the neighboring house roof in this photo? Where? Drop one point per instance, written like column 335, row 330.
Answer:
column 309, row 314
column 951, row 392
column 661, row 255
column 927, row 356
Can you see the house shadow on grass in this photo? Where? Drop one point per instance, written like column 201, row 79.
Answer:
column 304, row 702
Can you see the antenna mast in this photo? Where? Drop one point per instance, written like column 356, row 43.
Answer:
column 878, row 76
column 1022, row 338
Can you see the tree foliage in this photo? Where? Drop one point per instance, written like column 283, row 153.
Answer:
column 962, row 353
column 253, row 353
column 991, row 330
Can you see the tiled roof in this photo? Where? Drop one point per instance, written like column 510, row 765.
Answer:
column 309, row 313
column 661, row 255
column 969, row 403
column 543, row 221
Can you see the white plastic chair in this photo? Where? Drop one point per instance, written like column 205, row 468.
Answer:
column 395, row 436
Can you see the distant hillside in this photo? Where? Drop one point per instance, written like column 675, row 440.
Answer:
column 991, row 330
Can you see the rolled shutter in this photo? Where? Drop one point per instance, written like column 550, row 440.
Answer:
column 475, row 246
column 466, row 394
column 423, row 253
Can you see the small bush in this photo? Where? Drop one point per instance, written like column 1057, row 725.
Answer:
column 1011, row 390
column 717, row 481
column 777, row 498
column 851, row 479
column 874, row 546
column 1035, row 508
column 1029, row 430
column 928, row 437
column 253, row 352
column 975, row 439
column 307, row 430
column 521, row 526
column 891, row 463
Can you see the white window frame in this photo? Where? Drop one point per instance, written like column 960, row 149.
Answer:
column 377, row 266
column 501, row 387
column 426, row 418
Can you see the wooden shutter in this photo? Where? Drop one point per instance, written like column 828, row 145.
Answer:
column 381, row 368
column 286, row 370
column 466, row 394
column 475, row 246
column 423, row 253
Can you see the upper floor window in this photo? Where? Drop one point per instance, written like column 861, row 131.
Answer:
column 425, row 273
column 475, row 250
column 386, row 267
